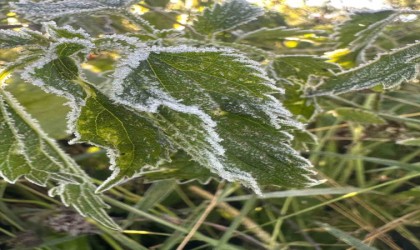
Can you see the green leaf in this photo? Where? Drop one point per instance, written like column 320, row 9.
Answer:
column 362, row 27
column 56, row 76
column 347, row 238
column 357, row 115
column 57, row 70
column 217, row 107
column 263, row 152
column 48, row 10
column 302, row 67
column 389, row 70
column 131, row 140
column 226, row 16
column 27, row 151
column 361, row 30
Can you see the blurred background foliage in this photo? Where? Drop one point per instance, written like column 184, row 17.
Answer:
column 367, row 145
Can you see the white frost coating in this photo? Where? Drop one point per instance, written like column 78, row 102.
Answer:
column 50, row 26
column 275, row 109
column 72, row 116
column 115, row 173
column 189, row 49
column 127, row 65
column 231, row 173
column 120, row 42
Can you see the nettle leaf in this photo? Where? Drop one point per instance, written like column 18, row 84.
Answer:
column 269, row 160
column 362, row 27
column 58, row 68
column 357, row 33
column 131, row 140
column 389, row 70
column 302, row 67
column 48, row 9
column 27, row 151
column 226, row 16
column 56, row 71
column 215, row 105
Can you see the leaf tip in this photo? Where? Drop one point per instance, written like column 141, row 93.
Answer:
column 117, row 177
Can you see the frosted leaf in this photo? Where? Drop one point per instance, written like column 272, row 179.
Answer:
column 389, row 70
column 131, row 140
column 55, row 65
column 56, row 71
column 361, row 30
column 360, row 26
column 195, row 95
column 27, row 151
column 226, row 16
column 49, row 9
